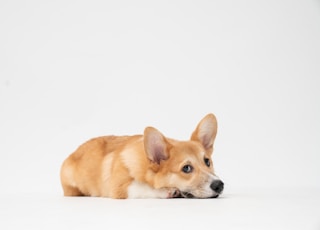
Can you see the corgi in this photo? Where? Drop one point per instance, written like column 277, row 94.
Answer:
column 145, row 166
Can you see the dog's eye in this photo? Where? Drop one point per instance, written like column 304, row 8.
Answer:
column 207, row 161
column 187, row 169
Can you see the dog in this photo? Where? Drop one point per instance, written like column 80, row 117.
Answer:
column 145, row 166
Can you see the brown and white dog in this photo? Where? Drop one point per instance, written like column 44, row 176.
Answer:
column 145, row 166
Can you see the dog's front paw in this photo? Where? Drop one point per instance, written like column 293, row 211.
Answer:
column 174, row 193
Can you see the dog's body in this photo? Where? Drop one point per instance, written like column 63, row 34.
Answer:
column 144, row 166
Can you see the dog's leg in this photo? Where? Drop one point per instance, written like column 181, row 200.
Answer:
column 67, row 180
column 142, row 190
column 71, row 191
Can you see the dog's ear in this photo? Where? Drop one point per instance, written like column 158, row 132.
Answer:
column 156, row 145
column 206, row 132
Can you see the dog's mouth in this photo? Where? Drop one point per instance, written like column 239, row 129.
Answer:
column 215, row 196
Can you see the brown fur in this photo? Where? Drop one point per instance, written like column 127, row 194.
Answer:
column 106, row 166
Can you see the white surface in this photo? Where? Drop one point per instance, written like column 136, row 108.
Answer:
column 239, row 209
column 73, row 70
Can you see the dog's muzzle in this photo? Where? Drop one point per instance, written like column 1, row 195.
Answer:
column 216, row 186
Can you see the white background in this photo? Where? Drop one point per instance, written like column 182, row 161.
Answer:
column 73, row 70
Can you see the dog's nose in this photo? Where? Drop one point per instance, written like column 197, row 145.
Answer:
column 217, row 186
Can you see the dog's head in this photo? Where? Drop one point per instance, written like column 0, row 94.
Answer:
column 185, row 165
